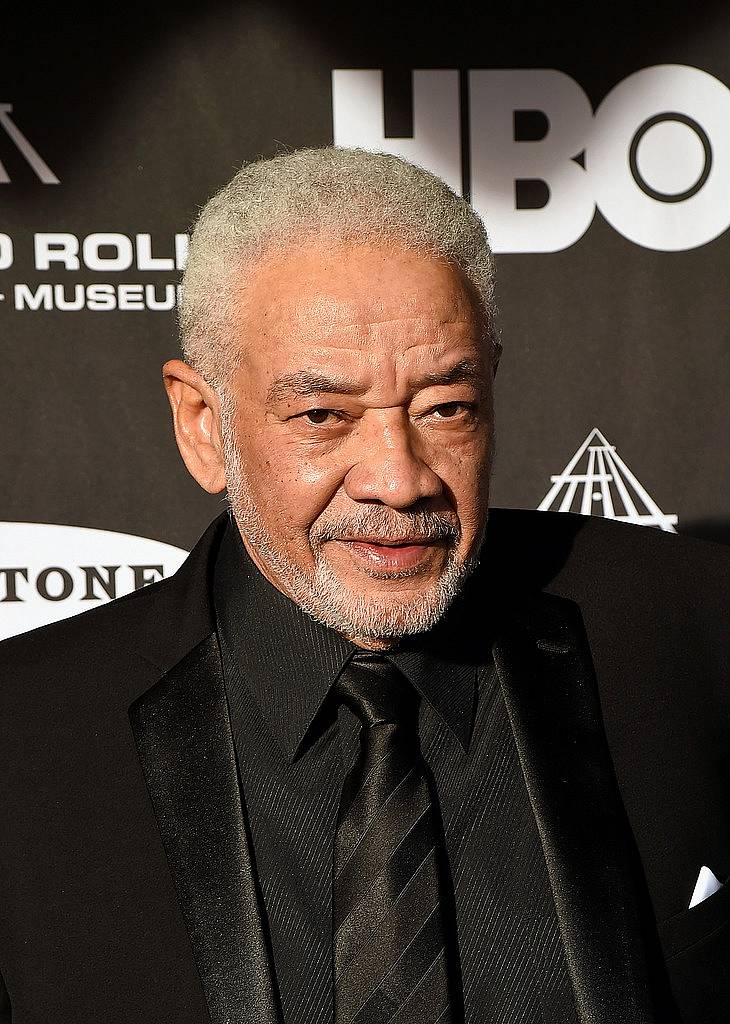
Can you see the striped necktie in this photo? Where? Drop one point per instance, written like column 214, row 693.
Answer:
column 396, row 955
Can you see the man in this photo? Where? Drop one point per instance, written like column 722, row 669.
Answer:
column 349, row 763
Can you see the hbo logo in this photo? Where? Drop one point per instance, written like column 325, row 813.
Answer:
column 654, row 157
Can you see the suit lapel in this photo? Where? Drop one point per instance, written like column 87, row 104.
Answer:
column 185, row 746
column 608, row 931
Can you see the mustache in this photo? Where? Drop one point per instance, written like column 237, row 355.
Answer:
column 381, row 523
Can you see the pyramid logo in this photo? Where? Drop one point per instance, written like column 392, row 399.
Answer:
column 597, row 481
column 25, row 148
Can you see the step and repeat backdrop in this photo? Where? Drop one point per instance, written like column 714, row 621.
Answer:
column 597, row 153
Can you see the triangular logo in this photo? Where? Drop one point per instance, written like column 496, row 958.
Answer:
column 597, row 481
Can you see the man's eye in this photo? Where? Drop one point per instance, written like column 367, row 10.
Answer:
column 449, row 410
column 318, row 416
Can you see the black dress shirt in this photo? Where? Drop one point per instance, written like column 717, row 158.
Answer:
column 295, row 748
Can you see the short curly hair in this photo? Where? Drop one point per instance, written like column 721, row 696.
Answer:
column 340, row 193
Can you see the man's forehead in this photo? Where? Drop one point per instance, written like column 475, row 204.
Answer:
column 358, row 311
column 351, row 285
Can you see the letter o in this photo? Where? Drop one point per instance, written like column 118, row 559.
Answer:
column 67, row 584
column 6, row 252
column 124, row 255
column 678, row 117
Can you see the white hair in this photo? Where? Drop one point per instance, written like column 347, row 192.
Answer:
column 337, row 193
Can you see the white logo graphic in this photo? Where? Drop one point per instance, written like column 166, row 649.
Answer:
column 32, row 156
column 102, row 252
column 654, row 157
column 50, row 572
column 597, row 478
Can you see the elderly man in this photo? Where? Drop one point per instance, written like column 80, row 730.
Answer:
column 349, row 764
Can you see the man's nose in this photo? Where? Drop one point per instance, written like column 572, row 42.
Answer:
column 391, row 468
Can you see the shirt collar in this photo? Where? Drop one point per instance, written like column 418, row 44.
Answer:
column 288, row 662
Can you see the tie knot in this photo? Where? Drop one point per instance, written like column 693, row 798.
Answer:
column 376, row 691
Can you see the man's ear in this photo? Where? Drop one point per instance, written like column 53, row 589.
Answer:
column 196, row 420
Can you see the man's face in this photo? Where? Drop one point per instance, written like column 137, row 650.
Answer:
column 357, row 434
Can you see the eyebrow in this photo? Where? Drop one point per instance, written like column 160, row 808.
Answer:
column 311, row 382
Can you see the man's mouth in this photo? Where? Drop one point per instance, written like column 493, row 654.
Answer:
column 390, row 553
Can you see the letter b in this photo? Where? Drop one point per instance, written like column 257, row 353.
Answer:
column 499, row 161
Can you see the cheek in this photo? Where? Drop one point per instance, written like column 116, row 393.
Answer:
column 464, row 469
column 290, row 489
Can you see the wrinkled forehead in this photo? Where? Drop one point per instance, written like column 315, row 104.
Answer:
column 355, row 289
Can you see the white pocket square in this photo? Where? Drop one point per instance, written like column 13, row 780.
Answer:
column 706, row 885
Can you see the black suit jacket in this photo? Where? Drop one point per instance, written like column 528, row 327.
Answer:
column 126, row 884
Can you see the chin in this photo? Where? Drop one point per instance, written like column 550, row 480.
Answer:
column 384, row 614
column 386, row 585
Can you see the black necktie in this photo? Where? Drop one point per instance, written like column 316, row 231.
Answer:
column 395, row 947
